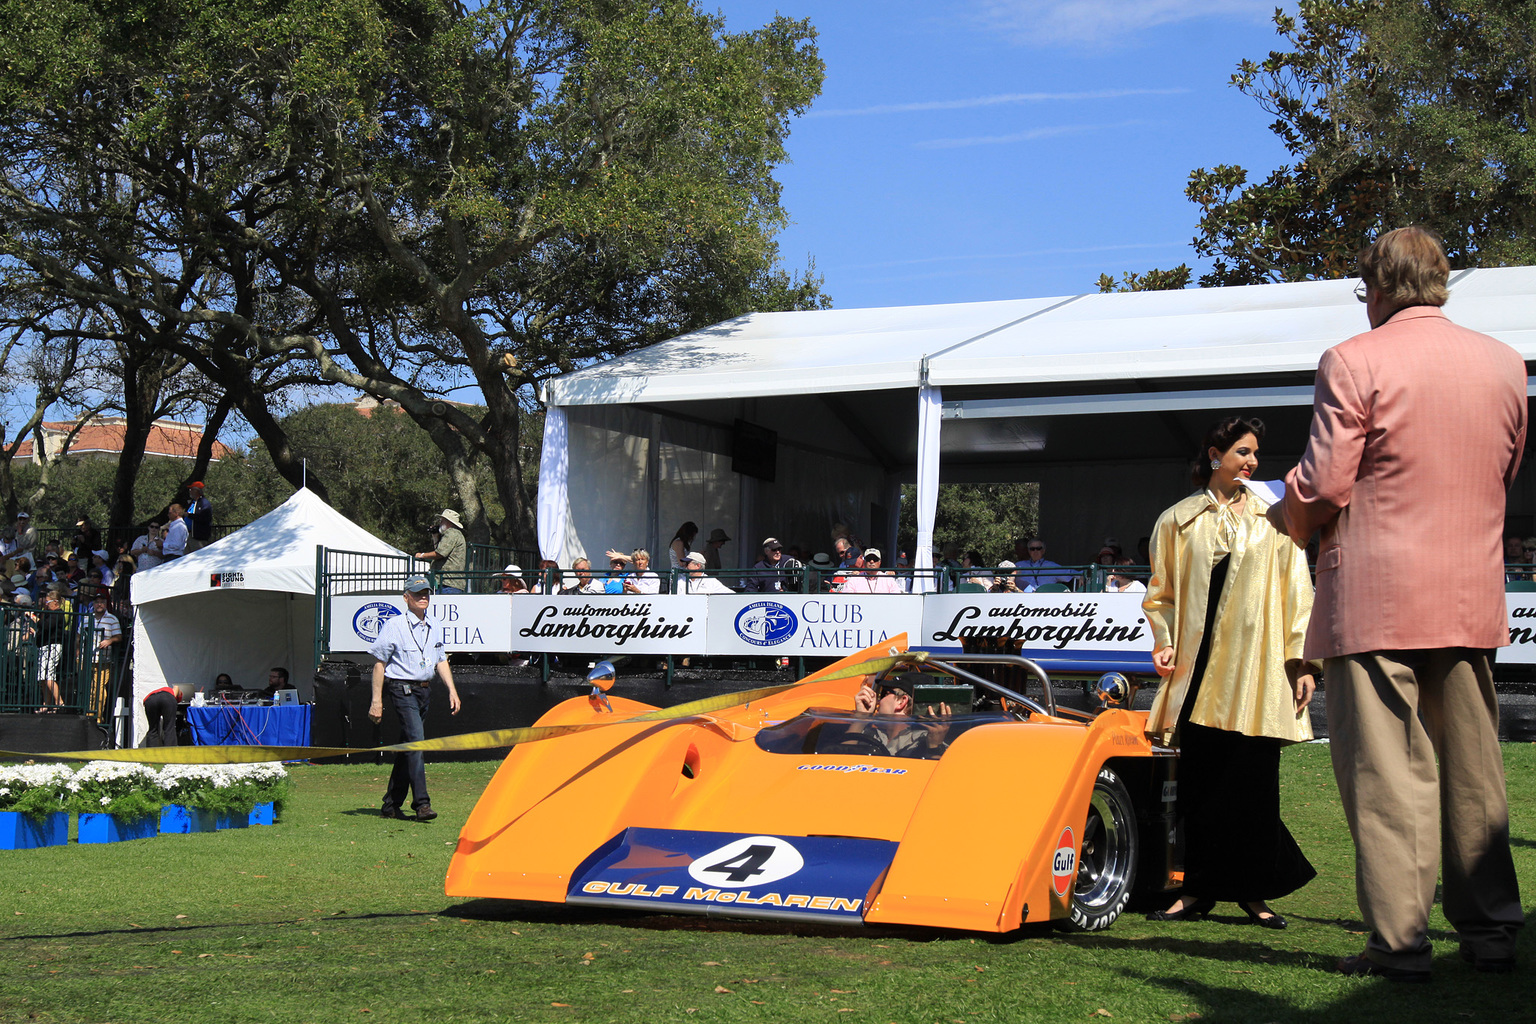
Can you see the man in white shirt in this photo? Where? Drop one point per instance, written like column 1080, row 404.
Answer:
column 409, row 651
column 146, row 550
column 697, row 582
column 107, row 639
column 175, row 543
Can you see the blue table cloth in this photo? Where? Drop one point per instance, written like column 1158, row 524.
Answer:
column 281, row 725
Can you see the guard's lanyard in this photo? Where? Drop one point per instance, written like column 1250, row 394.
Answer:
column 421, row 647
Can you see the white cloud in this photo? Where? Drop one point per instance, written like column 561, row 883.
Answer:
column 993, row 101
column 1025, row 136
column 1099, row 22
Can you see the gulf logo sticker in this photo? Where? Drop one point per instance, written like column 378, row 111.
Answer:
column 1064, row 863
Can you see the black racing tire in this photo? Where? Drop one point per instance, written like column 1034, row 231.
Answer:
column 1106, row 861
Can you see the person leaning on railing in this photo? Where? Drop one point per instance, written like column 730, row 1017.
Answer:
column 696, row 582
column 1003, row 581
column 775, row 573
column 641, row 580
column 870, row 579
column 106, row 642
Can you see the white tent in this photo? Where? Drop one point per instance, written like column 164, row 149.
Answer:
column 1101, row 398
column 241, row 605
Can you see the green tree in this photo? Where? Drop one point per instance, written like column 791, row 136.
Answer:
column 411, row 198
column 1396, row 112
column 385, row 473
column 986, row 518
column 1151, row 281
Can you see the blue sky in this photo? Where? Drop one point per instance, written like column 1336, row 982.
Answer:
column 987, row 149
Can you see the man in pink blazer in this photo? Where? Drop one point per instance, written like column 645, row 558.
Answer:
column 1417, row 430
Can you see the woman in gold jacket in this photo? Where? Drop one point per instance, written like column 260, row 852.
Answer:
column 1227, row 605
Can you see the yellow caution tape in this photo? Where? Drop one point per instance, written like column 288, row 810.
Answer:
column 874, row 666
column 467, row 741
column 489, row 740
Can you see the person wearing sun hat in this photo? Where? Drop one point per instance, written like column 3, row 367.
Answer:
column 448, row 554
column 410, row 650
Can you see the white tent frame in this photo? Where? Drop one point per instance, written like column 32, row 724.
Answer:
column 241, row 605
column 1004, row 365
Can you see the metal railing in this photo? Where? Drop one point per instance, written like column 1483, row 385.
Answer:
column 49, row 661
column 487, row 560
column 114, row 536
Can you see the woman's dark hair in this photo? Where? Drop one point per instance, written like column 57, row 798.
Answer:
column 686, row 533
column 222, row 680
column 975, row 557
column 1224, row 433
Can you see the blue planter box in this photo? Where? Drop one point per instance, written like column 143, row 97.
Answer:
column 109, row 828
column 176, row 818
column 20, row 832
column 233, row 821
column 262, row 814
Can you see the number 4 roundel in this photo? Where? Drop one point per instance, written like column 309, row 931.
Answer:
column 755, row 860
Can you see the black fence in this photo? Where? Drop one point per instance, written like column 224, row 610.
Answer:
column 52, row 660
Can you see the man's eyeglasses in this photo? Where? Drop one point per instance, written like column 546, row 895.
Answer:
column 1035, row 547
column 1360, row 291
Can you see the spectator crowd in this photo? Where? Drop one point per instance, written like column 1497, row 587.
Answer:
column 850, row 567
column 65, row 606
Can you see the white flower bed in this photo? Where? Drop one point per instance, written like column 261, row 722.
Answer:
column 20, row 777
column 174, row 778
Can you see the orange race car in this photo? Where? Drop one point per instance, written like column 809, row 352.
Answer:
column 1005, row 811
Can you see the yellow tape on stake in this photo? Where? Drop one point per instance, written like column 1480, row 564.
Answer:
column 467, row 741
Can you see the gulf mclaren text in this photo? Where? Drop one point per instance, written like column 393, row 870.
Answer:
column 771, row 899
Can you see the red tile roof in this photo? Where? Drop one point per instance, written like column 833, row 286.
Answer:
column 167, row 439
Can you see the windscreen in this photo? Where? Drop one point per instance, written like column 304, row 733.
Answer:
column 852, row 733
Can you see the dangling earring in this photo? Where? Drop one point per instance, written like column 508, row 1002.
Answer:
column 1215, row 465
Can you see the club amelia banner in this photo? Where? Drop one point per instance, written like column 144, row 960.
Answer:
column 609, row 624
column 469, row 622
column 1522, row 630
column 1102, row 623
column 792, row 625
column 809, row 625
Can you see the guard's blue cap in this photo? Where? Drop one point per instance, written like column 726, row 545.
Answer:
column 417, row 583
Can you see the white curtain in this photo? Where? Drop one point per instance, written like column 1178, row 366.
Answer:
column 554, row 511
column 930, row 407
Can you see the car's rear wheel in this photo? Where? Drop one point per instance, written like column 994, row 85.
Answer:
column 1106, row 861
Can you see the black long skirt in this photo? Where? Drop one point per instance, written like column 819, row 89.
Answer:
column 1236, row 848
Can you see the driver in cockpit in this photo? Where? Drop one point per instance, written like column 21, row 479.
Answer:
column 893, row 697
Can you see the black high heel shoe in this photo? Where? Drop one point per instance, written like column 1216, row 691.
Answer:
column 1274, row 920
column 1190, row 912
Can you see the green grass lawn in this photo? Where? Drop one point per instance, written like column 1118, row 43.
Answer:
column 336, row 914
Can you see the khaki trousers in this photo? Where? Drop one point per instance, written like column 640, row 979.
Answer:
column 1405, row 817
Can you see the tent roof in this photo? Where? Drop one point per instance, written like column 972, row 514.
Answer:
column 1197, row 332
column 276, row 552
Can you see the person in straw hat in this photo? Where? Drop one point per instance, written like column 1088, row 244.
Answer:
column 448, row 554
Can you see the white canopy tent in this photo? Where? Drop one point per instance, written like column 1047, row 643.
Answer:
column 241, row 605
column 1100, row 397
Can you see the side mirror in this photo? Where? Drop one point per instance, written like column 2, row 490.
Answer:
column 602, row 676
column 1112, row 690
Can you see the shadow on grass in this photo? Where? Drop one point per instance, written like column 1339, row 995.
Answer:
column 563, row 914
column 182, row 929
column 1458, row 993
column 373, row 812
